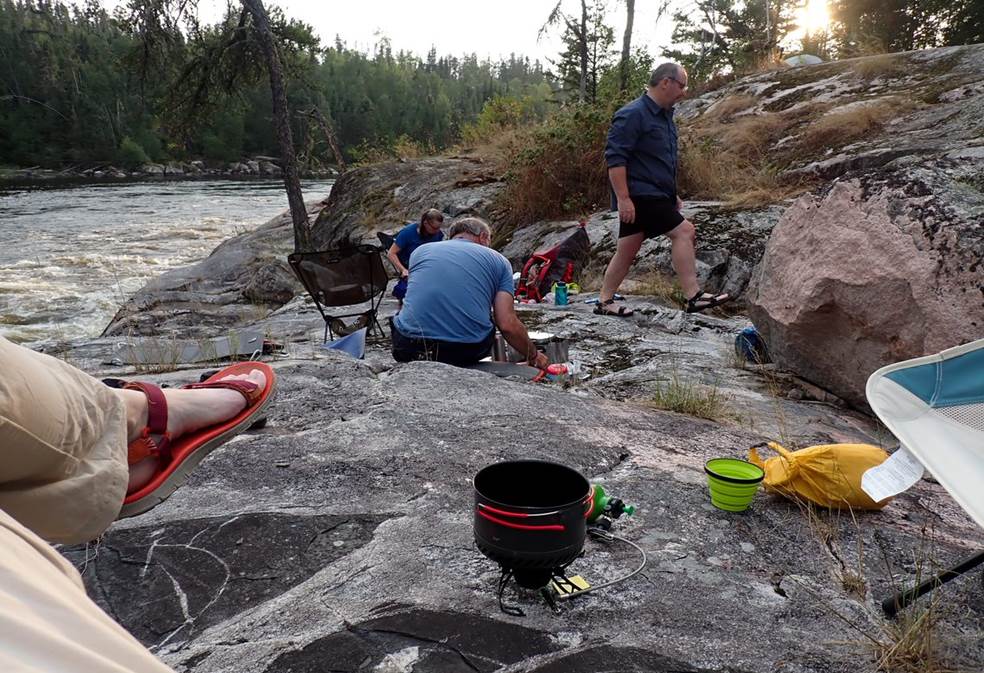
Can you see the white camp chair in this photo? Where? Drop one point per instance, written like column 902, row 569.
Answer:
column 934, row 405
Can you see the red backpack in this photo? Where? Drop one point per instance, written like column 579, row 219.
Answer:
column 543, row 269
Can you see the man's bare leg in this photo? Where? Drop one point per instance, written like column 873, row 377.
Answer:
column 684, row 257
column 618, row 268
column 683, row 254
column 187, row 411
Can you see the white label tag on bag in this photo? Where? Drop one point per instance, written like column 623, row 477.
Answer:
column 897, row 474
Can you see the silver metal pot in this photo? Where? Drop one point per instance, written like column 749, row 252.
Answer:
column 555, row 347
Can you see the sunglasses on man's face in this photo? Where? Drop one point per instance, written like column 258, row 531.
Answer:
column 682, row 85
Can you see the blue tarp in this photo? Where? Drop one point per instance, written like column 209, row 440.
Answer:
column 354, row 344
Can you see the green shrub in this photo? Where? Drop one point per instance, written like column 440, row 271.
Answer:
column 402, row 147
column 215, row 149
column 694, row 399
column 561, row 171
column 131, row 153
column 498, row 113
column 150, row 141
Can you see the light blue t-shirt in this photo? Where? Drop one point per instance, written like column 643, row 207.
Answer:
column 409, row 240
column 452, row 287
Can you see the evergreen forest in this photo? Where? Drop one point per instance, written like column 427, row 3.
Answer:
column 148, row 82
column 81, row 86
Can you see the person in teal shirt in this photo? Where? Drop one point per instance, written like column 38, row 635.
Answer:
column 411, row 237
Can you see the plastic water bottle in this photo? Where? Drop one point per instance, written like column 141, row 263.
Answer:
column 560, row 294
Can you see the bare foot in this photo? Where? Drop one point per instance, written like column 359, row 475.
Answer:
column 187, row 411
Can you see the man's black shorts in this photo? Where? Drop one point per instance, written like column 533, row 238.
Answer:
column 653, row 216
column 408, row 349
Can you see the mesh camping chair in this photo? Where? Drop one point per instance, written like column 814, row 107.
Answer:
column 343, row 277
column 934, row 405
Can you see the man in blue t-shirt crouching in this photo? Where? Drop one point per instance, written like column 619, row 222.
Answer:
column 453, row 288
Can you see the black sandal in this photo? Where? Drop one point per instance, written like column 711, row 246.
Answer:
column 704, row 300
column 622, row 311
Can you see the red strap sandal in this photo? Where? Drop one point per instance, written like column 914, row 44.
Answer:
column 181, row 455
column 154, row 441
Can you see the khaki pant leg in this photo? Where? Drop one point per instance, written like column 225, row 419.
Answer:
column 63, row 469
column 48, row 624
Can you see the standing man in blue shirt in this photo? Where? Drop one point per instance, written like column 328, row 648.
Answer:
column 456, row 289
column 642, row 167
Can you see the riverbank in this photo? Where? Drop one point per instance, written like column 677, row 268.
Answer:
column 261, row 167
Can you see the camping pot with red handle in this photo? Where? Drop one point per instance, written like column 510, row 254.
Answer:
column 530, row 517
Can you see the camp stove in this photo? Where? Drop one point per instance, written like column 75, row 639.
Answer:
column 530, row 518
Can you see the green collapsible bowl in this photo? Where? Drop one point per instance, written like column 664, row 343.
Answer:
column 732, row 483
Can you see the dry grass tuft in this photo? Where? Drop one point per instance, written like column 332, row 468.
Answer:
column 910, row 642
column 496, row 149
column 882, row 65
column 764, row 186
column 907, row 644
column 404, row 148
column 730, row 106
column 592, row 276
column 840, row 128
column 656, row 284
column 750, row 136
column 854, row 584
column 711, row 170
column 737, row 160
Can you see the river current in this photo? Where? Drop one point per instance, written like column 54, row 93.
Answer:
column 70, row 255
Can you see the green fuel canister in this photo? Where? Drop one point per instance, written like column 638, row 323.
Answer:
column 607, row 505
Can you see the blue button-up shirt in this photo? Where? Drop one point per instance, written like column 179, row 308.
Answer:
column 643, row 138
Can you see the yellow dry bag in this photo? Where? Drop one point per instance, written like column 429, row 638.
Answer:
column 828, row 475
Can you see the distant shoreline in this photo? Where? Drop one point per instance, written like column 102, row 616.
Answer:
column 261, row 167
column 59, row 180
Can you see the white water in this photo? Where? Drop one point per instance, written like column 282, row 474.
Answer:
column 70, row 255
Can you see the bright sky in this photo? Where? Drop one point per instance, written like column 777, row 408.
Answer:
column 455, row 27
column 492, row 29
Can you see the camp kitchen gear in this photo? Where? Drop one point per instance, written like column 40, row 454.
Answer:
column 732, row 483
column 560, row 294
column 606, row 508
column 555, row 347
column 530, row 517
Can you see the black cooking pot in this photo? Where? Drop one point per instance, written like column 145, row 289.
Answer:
column 530, row 517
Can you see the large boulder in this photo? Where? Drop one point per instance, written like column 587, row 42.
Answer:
column 382, row 197
column 876, row 269
column 243, row 276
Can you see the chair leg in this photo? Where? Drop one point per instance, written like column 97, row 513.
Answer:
column 374, row 324
column 904, row 598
